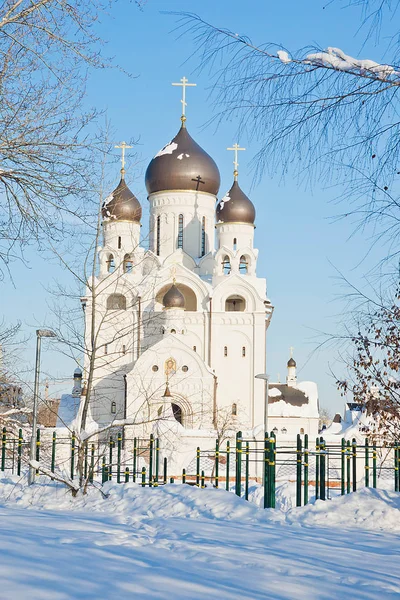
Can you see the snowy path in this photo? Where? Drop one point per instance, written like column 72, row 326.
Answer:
column 160, row 553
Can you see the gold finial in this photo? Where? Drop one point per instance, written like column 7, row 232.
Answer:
column 184, row 84
column 173, row 273
column 123, row 146
column 236, row 149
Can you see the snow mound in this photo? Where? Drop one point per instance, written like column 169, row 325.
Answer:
column 368, row 509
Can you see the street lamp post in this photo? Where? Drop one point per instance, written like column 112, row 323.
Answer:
column 265, row 377
column 39, row 334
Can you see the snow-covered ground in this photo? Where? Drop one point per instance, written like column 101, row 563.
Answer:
column 180, row 542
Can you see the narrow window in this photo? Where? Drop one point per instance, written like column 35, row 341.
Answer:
column 284, row 430
column 105, row 348
column 234, row 409
column 243, row 265
column 173, row 330
column 194, row 349
column 123, row 349
column 180, row 231
column 203, row 236
column 110, row 264
column 244, row 351
column 226, row 265
column 234, row 244
column 119, row 242
column 128, row 264
column 113, row 408
column 225, row 350
column 158, row 235
column 302, row 431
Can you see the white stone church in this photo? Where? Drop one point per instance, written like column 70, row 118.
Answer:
column 182, row 316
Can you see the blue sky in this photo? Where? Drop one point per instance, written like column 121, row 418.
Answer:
column 298, row 242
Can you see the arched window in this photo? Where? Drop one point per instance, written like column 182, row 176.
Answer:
column 283, row 430
column 110, row 263
column 301, row 431
column 113, row 408
column 105, row 348
column 225, row 350
column 173, row 330
column 128, row 263
column 275, row 430
column 194, row 349
column 123, row 349
column 119, row 242
column 243, row 265
column 243, row 351
column 158, row 233
column 177, row 411
column 235, row 303
column 116, row 302
column 234, row 244
column 226, row 265
column 234, row 409
column 203, row 236
column 180, row 231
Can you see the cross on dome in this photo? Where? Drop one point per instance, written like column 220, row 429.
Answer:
column 184, row 84
column 291, row 351
column 123, row 146
column 236, row 148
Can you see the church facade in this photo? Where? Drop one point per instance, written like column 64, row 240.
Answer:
column 181, row 317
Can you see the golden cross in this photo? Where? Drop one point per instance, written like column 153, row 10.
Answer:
column 184, row 84
column 236, row 149
column 123, row 146
column 291, row 351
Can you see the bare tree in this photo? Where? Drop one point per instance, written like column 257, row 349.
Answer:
column 318, row 110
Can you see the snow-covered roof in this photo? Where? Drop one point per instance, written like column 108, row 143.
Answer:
column 300, row 400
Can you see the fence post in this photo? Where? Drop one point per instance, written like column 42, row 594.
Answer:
column 374, row 466
column 126, row 474
column 366, row 463
column 91, row 473
column 246, row 486
column 266, row 469
column 317, row 469
column 348, row 467
column 151, row 449
column 3, row 449
column 198, row 466
column 106, row 474
column 144, row 477
column 111, row 458
column 157, row 458
column 119, row 457
column 228, row 451
column 238, row 474
column 298, row 470
column 396, row 468
column 37, row 447
column 165, row 470
column 171, row 480
column 216, row 477
column 85, row 468
column 354, row 454
column 271, row 475
column 72, row 454
column 183, row 475
column 103, row 470
column 20, row 441
column 203, row 484
column 306, row 465
column 342, row 467
column 134, row 459
column 322, row 493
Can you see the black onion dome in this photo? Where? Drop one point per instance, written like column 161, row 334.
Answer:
column 235, row 207
column 291, row 362
column 122, row 205
column 173, row 298
column 182, row 165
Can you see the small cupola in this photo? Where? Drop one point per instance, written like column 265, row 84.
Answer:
column 291, row 378
column 173, row 298
column 235, row 206
column 122, row 204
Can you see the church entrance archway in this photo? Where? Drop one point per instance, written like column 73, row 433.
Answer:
column 177, row 413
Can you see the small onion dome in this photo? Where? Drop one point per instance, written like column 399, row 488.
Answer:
column 173, row 298
column 122, row 205
column 78, row 373
column 235, row 207
column 182, row 165
column 291, row 362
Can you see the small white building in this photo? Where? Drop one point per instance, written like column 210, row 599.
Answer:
column 181, row 318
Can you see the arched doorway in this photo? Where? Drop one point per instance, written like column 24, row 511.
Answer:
column 177, row 411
